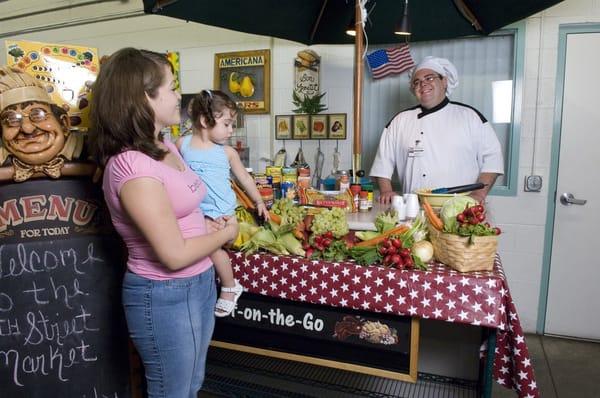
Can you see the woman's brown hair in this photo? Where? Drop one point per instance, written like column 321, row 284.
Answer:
column 120, row 116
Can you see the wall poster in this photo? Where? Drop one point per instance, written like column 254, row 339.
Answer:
column 245, row 77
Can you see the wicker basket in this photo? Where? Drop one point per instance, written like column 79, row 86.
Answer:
column 456, row 251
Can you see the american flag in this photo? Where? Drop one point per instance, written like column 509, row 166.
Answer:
column 391, row 60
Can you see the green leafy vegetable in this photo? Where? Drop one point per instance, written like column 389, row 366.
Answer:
column 451, row 208
column 386, row 220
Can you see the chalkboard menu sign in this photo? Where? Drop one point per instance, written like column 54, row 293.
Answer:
column 365, row 342
column 62, row 328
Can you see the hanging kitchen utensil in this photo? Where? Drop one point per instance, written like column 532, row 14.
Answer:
column 299, row 161
column 280, row 156
column 319, row 160
column 336, row 158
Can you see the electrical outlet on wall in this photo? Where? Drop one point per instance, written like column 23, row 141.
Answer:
column 533, row 183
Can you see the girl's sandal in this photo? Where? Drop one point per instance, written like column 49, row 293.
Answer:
column 224, row 307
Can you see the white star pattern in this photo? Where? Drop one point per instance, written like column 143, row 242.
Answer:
column 477, row 298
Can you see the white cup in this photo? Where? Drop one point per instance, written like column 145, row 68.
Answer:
column 399, row 206
column 412, row 205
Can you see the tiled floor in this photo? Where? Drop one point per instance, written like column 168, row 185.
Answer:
column 564, row 368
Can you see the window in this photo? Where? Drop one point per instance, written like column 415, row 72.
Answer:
column 489, row 80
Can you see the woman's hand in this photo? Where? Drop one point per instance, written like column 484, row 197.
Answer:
column 232, row 226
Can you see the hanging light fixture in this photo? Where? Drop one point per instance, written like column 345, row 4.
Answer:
column 403, row 29
column 351, row 29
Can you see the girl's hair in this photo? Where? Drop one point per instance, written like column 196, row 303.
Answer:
column 209, row 104
column 120, row 116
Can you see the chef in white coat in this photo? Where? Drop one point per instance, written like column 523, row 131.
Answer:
column 438, row 143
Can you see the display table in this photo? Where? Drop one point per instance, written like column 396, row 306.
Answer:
column 477, row 298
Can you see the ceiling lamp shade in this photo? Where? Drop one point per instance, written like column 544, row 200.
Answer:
column 403, row 29
column 351, row 29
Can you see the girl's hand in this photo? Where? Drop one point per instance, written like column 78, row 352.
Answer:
column 262, row 210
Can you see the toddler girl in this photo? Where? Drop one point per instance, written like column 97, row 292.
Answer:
column 207, row 153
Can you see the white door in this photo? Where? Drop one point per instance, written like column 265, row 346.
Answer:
column 573, row 307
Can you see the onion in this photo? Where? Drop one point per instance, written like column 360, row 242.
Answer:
column 424, row 250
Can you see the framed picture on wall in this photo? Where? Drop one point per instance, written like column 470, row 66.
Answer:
column 245, row 77
column 318, row 127
column 337, row 126
column 283, row 127
column 300, row 129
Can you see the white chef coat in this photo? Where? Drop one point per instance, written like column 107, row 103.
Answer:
column 448, row 145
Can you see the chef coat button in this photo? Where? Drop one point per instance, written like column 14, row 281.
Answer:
column 421, row 133
column 424, row 175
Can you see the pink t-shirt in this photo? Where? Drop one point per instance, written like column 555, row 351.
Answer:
column 185, row 190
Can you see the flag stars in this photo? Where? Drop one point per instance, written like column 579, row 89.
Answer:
column 426, row 286
column 390, row 276
column 491, row 283
column 335, row 277
column 379, row 281
column 477, row 289
column 389, row 292
column 439, row 279
column 345, row 287
column 366, row 289
column 355, row 295
column 438, row 296
column 323, row 285
column 377, row 297
column 464, row 281
column 414, row 294
column 356, row 279
column 451, row 287
column 314, row 276
column 368, row 273
column 324, row 270
column 414, row 278
column 401, row 300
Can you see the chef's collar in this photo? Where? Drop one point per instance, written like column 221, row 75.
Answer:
column 425, row 112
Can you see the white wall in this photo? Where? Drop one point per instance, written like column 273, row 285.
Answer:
column 522, row 218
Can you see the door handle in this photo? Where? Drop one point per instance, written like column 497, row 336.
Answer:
column 568, row 199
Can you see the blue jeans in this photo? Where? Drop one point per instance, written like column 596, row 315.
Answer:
column 171, row 324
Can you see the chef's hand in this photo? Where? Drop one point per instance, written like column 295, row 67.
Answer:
column 386, row 197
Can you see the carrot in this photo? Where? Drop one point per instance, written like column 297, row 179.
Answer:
column 433, row 218
column 242, row 196
column 276, row 218
column 380, row 238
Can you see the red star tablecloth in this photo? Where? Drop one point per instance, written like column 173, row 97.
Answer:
column 476, row 298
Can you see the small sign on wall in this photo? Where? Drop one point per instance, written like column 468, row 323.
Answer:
column 306, row 73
